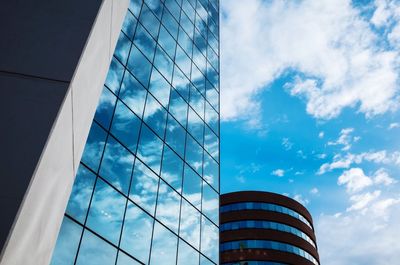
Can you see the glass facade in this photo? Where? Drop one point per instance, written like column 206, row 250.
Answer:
column 267, row 244
column 257, row 224
column 265, row 207
column 147, row 188
column 255, row 263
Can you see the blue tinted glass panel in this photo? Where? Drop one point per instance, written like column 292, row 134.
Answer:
column 164, row 246
column 144, row 187
column 105, row 108
column 106, row 212
column 150, row 148
column 116, row 166
column 94, row 251
column 125, row 126
column 94, row 147
column 67, row 243
column 136, row 241
column 133, row 94
column 81, row 192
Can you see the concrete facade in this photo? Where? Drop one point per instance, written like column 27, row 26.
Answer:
column 54, row 60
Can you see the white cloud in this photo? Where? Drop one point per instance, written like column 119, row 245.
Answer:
column 355, row 180
column 328, row 42
column 241, row 179
column 321, row 135
column 321, row 156
column 278, row 172
column 381, row 176
column 314, row 191
column 394, row 125
column 378, row 157
column 361, row 201
column 301, row 154
column 300, row 199
column 344, row 139
column 368, row 237
column 287, row 144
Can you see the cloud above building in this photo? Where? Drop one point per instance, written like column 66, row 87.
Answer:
column 336, row 56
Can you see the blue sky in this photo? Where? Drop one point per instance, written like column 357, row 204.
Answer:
column 310, row 108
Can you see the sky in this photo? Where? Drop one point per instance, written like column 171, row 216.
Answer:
column 310, row 99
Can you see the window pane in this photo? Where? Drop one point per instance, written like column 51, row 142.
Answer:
column 155, row 116
column 81, row 192
column 175, row 136
column 144, row 187
column 172, row 168
column 159, row 87
column 164, row 64
column 117, row 164
column 133, row 94
column 167, row 42
column 181, row 83
column 205, row 261
column 139, row 66
column 106, row 212
column 187, row 255
column 145, row 42
column 122, row 48
column 168, row 206
column 173, row 8
column 149, row 21
column 196, row 126
column 183, row 61
column 209, row 240
column 137, row 241
column 169, row 22
column 94, row 147
column 105, row 108
column 95, row 251
column 192, row 187
column 194, row 154
column 124, row 259
column 190, row 224
column 178, row 107
column 211, row 143
column 197, row 101
column 150, row 148
column 129, row 25
column 67, row 243
column 164, row 246
column 211, row 171
column 125, row 126
column 210, row 203
column 114, row 75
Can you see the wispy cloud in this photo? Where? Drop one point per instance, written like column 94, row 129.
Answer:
column 345, row 139
column 314, row 191
column 378, row 157
column 278, row 172
column 287, row 144
column 394, row 125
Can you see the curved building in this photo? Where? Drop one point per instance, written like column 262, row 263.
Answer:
column 263, row 228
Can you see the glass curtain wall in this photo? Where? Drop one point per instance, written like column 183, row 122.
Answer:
column 147, row 188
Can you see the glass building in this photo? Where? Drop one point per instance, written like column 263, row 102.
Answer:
column 264, row 228
column 147, row 187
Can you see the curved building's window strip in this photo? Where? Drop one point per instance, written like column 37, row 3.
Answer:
column 255, row 263
column 260, row 224
column 267, row 244
column 264, row 206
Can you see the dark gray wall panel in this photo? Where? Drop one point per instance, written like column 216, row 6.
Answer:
column 44, row 37
column 28, row 108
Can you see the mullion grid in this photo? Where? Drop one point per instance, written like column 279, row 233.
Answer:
column 108, row 133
